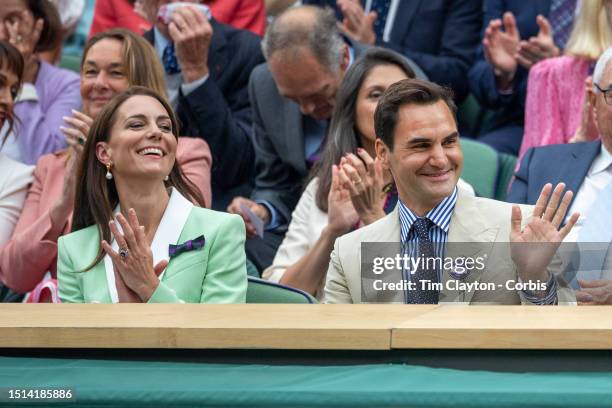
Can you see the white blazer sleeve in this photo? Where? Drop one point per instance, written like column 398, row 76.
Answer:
column 307, row 222
column 13, row 189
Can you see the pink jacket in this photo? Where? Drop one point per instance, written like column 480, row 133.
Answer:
column 555, row 94
column 32, row 250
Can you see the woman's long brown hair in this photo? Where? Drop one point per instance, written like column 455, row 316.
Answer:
column 96, row 197
column 11, row 59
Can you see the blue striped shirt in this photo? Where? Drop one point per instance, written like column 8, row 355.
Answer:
column 440, row 216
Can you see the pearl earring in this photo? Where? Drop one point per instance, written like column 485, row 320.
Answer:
column 166, row 178
column 109, row 175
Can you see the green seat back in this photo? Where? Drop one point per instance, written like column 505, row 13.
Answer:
column 469, row 114
column 71, row 62
column 263, row 291
column 480, row 164
column 507, row 163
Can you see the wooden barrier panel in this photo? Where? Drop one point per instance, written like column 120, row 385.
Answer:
column 304, row 327
column 331, row 327
column 507, row 327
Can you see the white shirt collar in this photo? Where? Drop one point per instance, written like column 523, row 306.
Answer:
column 602, row 162
column 168, row 232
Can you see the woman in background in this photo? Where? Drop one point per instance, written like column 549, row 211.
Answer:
column 112, row 62
column 137, row 236
column 15, row 176
column 556, row 106
column 48, row 93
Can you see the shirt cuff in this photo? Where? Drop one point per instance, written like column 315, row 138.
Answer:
column 28, row 93
column 192, row 86
column 275, row 217
column 548, row 297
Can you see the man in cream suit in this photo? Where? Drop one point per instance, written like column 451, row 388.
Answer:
column 417, row 140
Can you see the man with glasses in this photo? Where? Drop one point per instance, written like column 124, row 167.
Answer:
column 585, row 168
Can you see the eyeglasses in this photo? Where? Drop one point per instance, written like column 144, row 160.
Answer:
column 607, row 93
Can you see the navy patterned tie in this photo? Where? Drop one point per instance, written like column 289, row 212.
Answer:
column 423, row 294
column 381, row 7
column 171, row 65
column 561, row 19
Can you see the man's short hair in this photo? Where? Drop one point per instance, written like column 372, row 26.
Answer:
column 405, row 92
column 320, row 35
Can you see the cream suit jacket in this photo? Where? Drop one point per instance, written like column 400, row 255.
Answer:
column 476, row 223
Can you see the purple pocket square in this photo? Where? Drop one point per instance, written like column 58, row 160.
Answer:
column 191, row 245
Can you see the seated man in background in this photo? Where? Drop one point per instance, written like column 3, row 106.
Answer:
column 418, row 141
column 207, row 68
column 517, row 34
column 583, row 167
column 293, row 97
column 440, row 36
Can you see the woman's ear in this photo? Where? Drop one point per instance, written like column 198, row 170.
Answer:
column 382, row 153
column 103, row 153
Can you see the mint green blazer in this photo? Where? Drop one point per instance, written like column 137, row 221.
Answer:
column 215, row 273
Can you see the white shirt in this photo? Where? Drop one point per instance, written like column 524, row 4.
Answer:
column 13, row 189
column 598, row 177
column 390, row 17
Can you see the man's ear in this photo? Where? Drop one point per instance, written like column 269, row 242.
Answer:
column 591, row 95
column 346, row 58
column 103, row 153
column 382, row 153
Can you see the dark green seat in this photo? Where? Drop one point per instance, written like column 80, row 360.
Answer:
column 263, row 291
column 71, row 62
column 480, row 164
column 507, row 163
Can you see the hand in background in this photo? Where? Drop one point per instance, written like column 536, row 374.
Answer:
column 341, row 215
column 538, row 48
column 258, row 209
column 363, row 178
column 191, row 33
column 24, row 32
column 595, row 292
column 500, row 48
column 76, row 136
column 356, row 24
column 587, row 130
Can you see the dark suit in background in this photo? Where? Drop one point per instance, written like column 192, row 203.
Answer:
column 505, row 130
column 563, row 163
column 440, row 36
column 280, row 159
column 219, row 111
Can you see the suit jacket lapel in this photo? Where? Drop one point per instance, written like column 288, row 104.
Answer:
column 388, row 232
column 578, row 168
column 406, row 11
column 469, row 236
column 293, row 139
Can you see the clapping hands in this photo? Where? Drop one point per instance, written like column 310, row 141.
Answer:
column 505, row 50
column 135, row 274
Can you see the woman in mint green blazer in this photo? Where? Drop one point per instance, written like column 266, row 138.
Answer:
column 137, row 236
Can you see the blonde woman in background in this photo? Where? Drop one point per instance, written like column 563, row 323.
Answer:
column 556, row 110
